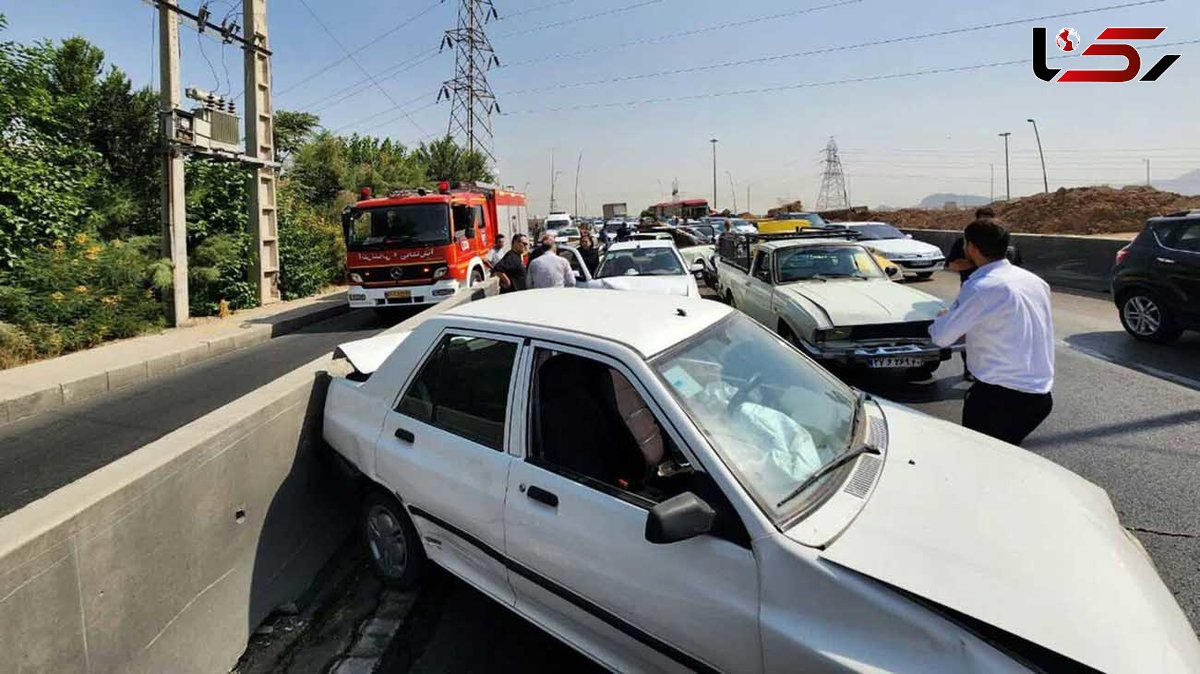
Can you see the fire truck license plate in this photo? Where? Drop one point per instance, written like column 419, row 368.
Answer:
column 895, row 361
column 398, row 294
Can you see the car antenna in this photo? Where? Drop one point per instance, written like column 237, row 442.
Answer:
column 680, row 312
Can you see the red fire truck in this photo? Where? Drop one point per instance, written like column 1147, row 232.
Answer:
column 420, row 247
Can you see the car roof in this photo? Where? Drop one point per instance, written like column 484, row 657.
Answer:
column 642, row 243
column 647, row 323
column 796, row 243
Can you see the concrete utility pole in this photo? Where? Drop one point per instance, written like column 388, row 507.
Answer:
column 748, row 209
column 174, row 208
column 578, row 168
column 714, row 146
column 992, row 182
column 263, row 222
column 1007, row 184
column 1147, row 173
column 1045, row 181
column 733, row 191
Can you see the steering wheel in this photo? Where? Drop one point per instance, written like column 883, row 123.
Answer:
column 740, row 397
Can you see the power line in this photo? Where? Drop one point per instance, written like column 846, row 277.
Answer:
column 579, row 19
column 405, row 105
column 605, row 48
column 806, row 85
column 537, row 8
column 359, row 65
column 355, row 89
column 348, row 56
column 828, row 50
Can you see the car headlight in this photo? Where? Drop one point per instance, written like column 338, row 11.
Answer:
column 440, row 272
column 833, row 334
column 356, row 278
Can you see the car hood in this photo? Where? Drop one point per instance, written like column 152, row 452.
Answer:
column 658, row 285
column 850, row 302
column 902, row 247
column 1000, row 534
column 366, row 355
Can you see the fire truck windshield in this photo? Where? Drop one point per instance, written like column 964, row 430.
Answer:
column 397, row 226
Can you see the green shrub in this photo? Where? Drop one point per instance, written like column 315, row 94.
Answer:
column 77, row 293
column 311, row 252
column 217, row 271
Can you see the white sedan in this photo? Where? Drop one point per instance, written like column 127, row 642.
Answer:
column 665, row 486
column 915, row 258
column 651, row 266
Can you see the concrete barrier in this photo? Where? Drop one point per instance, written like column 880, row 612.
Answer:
column 1078, row 262
column 168, row 559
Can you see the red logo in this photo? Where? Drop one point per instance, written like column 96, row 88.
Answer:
column 1068, row 41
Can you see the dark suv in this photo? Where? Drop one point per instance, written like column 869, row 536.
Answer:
column 1156, row 279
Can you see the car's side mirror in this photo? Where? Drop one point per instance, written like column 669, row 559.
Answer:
column 678, row 519
column 908, row 236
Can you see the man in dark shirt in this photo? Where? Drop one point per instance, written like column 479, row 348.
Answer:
column 511, row 267
column 588, row 251
column 957, row 259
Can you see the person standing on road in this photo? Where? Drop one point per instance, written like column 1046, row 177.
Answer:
column 1003, row 311
column 511, row 267
column 549, row 270
column 957, row 261
column 496, row 252
column 589, row 252
column 545, row 244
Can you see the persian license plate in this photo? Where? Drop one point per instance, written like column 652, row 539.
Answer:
column 397, row 294
column 895, row 361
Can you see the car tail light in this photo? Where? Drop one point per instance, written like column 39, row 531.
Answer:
column 1122, row 254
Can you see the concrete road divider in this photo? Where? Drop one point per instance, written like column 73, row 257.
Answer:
column 1064, row 261
column 168, row 559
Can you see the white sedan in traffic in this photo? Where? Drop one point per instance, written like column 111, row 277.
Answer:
column 665, row 485
column 914, row 258
column 650, row 266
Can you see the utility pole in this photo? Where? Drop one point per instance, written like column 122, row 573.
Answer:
column 748, row 209
column 578, row 168
column 1007, row 183
column 992, row 182
column 263, row 223
column 553, row 179
column 1045, row 181
column 1147, row 172
column 714, row 147
column 733, row 191
column 174, row 208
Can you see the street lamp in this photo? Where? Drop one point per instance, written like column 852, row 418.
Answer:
column 714, row 147
column 733, row 191
column 1007, row 184
column 1045, row 182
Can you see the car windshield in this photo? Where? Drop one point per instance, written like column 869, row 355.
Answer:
column 878, row 231
column 640, row 262
column 568, row 231
column 408, row 225
column 825, row 262
column 773, row 416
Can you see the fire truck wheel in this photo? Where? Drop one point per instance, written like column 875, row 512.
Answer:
column 476, row 277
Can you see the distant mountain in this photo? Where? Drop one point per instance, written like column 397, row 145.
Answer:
column 938, row 201
column 1186, row 184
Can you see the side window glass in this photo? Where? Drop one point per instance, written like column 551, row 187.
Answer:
column 589, row 423
column 762, row 267
column 1165, row 231
column 476, row 221
column 463, row 389
column 1189, row 238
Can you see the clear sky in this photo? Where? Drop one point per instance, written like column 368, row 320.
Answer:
column 901, row 138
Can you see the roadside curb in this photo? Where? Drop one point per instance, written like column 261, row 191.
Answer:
column 16, row 405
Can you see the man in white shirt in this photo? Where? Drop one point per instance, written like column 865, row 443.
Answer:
column 1004, row 313
column 549, row 270
column 496, row 252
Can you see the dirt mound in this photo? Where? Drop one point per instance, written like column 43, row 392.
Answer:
column 1079, row 210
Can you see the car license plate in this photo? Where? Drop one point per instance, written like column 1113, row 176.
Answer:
column 895, row 361
column 398, row 294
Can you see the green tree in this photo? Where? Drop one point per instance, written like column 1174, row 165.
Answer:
column 292, row 131
column 319, row 169
column 443, row 159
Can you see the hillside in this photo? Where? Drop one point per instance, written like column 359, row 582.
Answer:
column 1080, row 210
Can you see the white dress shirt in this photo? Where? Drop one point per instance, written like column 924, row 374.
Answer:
column 1004, row 312
column 550, row 271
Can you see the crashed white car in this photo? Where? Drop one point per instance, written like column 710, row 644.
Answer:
column 665, row 486
column 653, row 266
column 915, row 258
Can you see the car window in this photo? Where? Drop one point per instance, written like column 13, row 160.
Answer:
column 880, row 231
column 569, row 256
column 825, row 262
column 762, row 266
column 589, row 423
column 1189, row 237
column 463, row 388
column 640, row 262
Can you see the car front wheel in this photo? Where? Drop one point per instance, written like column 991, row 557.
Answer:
column 392, row 543
column 1145, row 318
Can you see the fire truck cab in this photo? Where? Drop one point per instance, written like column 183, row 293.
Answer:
column 420, row 247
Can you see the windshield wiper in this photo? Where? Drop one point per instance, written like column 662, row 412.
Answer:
column 847, row 455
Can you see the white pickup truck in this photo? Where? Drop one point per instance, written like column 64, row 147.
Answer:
column 825, row 293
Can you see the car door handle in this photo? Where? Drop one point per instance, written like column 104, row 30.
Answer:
column 1165, row 260
column 542, row 496
column 405, row 435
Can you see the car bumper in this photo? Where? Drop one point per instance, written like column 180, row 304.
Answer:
column 369, row 298
column 880, row 356
column 920, row 266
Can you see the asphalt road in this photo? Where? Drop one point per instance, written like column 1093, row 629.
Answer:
column 45, row 452
column 1126, row 417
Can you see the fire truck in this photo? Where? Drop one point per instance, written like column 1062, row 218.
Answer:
column 419, row 247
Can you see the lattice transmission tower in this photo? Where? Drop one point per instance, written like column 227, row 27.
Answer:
column 471, row 99
column 833, row 181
